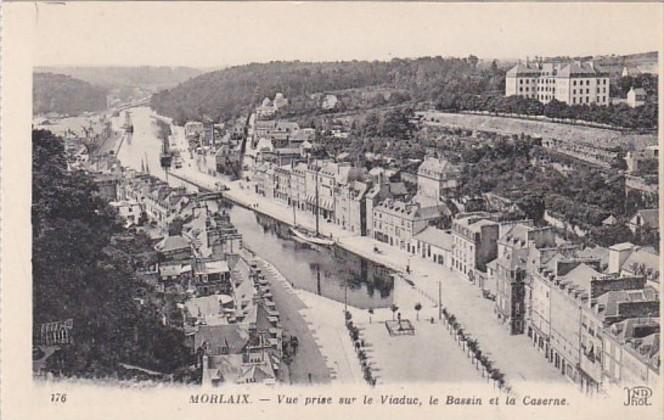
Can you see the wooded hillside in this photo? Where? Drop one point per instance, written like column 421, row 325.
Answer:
column 65, row 95
column 230, row 92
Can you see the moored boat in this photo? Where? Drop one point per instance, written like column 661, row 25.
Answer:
column 310, row 237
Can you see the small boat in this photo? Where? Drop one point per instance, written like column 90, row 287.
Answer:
column 310, row 237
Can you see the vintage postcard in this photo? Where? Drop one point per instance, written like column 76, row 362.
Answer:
column 331, row 210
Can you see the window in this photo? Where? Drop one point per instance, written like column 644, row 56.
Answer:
column 587, row 82
column 587, row 91
column 520, row 89
column 574, row 83
column 574, row 91
column 587, row 99
column 573, row 100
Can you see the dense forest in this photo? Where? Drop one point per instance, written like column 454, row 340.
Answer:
column 65, row 95
column 83, row 265
column 227, row 93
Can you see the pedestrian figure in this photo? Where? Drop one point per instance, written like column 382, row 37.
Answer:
column 399, row 316
column 309, row 377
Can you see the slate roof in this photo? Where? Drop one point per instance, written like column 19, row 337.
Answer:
column 233, row 336
column 650, row 217
column 522, row 70
column 611, row 299
column 516, row 236
column 436, row 237
column 172, row 243
column 580, row 276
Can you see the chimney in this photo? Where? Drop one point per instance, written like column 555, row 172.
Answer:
column 618, row 254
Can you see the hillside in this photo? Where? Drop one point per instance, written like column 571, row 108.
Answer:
column 83, row 263
column 229, row 92
column 160, row 77
column 65, row 95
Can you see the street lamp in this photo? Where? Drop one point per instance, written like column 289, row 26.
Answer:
column 345, row 296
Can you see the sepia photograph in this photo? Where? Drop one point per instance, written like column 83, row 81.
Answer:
column 308, row 199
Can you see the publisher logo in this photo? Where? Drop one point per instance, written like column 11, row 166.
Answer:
column 638, row 395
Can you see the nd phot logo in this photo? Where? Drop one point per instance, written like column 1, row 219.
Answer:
column 638, row 395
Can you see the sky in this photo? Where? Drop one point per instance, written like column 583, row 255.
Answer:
column 206, row 34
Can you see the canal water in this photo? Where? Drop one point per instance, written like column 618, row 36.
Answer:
column 331, row 272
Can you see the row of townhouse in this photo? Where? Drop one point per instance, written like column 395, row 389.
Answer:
column 412, row 223
column 156, row 198
column 281, row 142
column 593, row 313
column 335, row 190
column 577, row 309
column 396, row 222
column 366, row 204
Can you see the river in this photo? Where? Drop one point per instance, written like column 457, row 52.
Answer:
column 330, row 272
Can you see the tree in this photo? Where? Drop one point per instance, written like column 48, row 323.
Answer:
column 394, row 308
column 532, row 205
column 175, row 226
column 370, row 127
column 82, row 271
column 473, row 60
column 396, row 123
column 610, row 235
column 494, row 67
column 418, row 307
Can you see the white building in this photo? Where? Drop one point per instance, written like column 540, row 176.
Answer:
column 574, row 83
column 636, row 97
column 129, row 210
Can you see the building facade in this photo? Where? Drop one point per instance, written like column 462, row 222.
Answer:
column 574, row 83
column 475, row 242
column 436, row 180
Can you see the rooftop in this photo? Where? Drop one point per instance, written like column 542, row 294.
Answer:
column 650, row 217
column 436, row 237
column 172, row 243
column 517, row 235
column 210, row 309
column 212, row 267
column 580, row 276
column 232, row 336
column 610, row 301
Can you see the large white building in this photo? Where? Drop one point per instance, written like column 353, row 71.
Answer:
column 574, row 83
